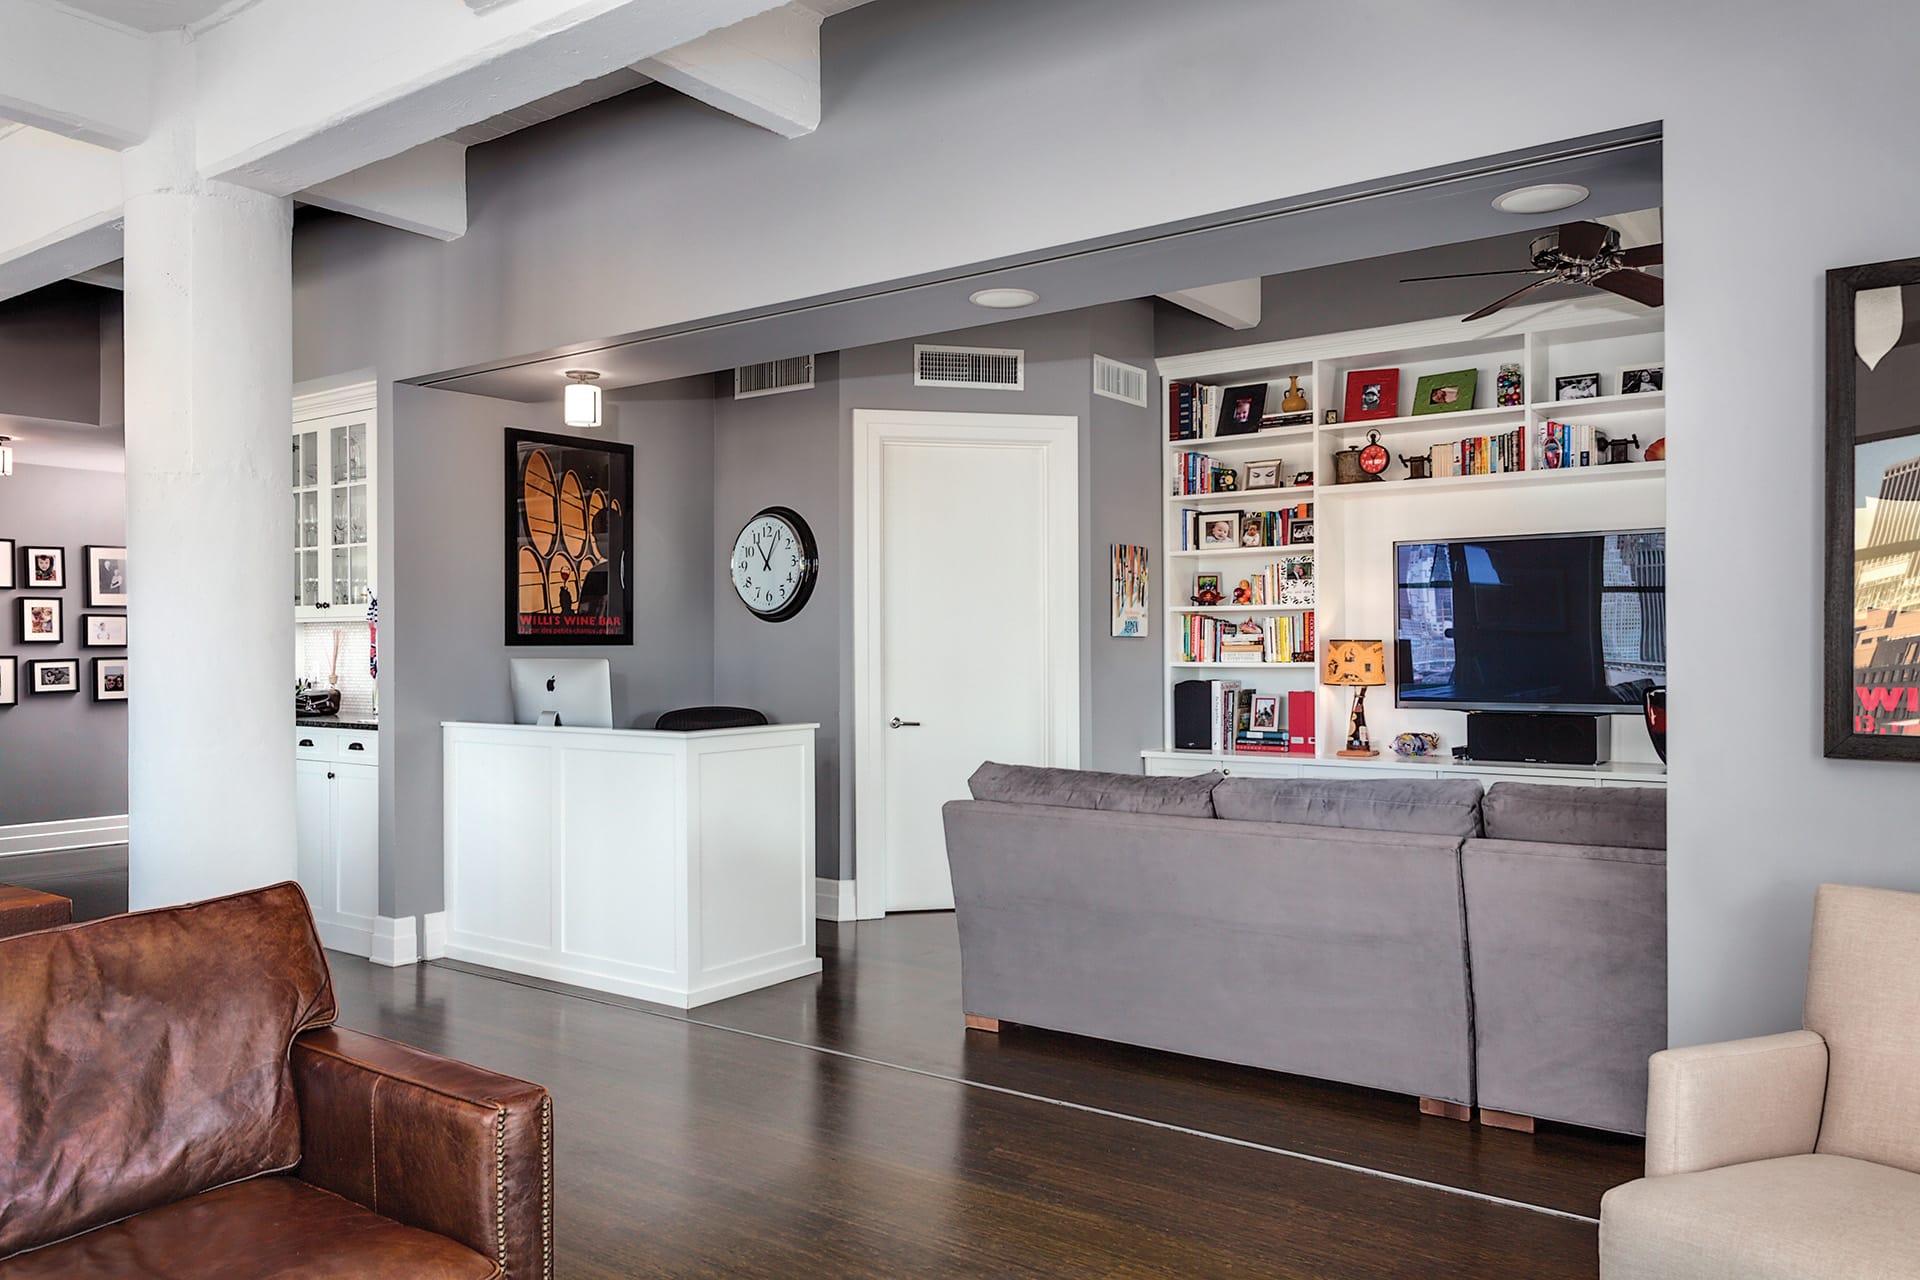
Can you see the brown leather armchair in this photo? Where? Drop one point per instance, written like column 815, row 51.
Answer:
column 175, row 1102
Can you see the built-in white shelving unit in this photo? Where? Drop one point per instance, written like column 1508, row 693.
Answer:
column 1356, row 525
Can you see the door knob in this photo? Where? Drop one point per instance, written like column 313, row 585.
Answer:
column 898, row 723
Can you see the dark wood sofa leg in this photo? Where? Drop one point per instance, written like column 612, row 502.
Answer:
column 1506, row 1120
column 1446, row 1110
column 975, row 1023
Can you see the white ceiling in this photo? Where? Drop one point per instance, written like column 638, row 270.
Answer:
column 154, row 15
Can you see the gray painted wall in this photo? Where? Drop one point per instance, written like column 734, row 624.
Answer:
column 50, row 347
column 61, row 757
column 442, row 652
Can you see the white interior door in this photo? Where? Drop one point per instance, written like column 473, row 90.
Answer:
column 966, row 547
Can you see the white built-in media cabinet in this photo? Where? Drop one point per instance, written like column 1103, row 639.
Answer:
column 1356, row 525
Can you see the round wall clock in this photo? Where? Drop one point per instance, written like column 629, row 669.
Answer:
column 775, row 563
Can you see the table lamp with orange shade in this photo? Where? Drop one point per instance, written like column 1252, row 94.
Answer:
column 1359, row 664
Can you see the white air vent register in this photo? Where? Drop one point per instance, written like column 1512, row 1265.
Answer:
column 982, row 368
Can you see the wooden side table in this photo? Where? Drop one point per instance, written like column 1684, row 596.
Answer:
column 26, row 910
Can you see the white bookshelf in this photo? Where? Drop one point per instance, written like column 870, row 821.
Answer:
column 1355, row 525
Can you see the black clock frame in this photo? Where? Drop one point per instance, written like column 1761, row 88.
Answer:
column 809, row 563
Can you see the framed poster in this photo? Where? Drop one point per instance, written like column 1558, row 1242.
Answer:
column 569, row 543
column 1872, row 699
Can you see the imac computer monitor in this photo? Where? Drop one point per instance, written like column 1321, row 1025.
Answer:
column 575, row 692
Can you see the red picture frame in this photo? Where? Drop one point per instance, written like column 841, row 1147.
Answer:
column 1386, row 404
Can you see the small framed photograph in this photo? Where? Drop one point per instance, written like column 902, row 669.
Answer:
column 1264, row 475
column 1446, row 392
column 54, row 675
column 9, row 689
column 1251, row 532
column 42, row 620
column 1266, row 712
column 1577, row 386
column 46, row 568
column 1219, row 530
column 1642, row 379
column 106, row 577
column 1372, row 393
column 1241, row 409
column 1206, row 584
column 7, row 553
column 104, row 630
column 1299, row 531
column 109, row 679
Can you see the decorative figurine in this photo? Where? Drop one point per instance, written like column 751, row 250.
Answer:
column 1419, row 466
column 1616, row 448
column 1409, row 745
column 1243, row 592
column 1295, row 400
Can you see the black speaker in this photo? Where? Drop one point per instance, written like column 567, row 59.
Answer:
column 1193, row 715
column 1538, row 737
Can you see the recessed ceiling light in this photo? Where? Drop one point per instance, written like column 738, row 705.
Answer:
column 1003, row 299
column 1545, row 197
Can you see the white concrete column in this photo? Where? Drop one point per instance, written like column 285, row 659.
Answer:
column 209, row 346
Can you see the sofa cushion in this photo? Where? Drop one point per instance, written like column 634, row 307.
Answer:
column 143, row 1058
column 1081, row 789
column 1785, row 1219
column 1449, row 807
column 1619, row 817
column 255, row 1230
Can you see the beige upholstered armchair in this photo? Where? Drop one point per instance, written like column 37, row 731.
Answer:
column 1794, row 1155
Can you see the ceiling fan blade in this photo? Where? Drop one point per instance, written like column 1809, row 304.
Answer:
column 1492, row 307
column 1646, row 255
column 1583, row 239
column 1648, row 291
column 1465, row 275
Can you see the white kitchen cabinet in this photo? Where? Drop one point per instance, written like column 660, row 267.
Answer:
column 335, row 512
column 337, row 834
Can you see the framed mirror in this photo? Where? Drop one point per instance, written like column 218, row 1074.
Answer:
column 1873, row 512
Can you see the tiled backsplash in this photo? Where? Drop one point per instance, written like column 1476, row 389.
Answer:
column 313, row 650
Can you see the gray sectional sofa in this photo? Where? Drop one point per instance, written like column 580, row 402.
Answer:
column 1328, row 928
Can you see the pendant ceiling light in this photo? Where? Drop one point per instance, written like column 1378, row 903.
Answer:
column 6, row 455
column 582, row 406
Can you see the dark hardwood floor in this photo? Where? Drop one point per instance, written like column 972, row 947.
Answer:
column 849, row 1126
column 96, row 879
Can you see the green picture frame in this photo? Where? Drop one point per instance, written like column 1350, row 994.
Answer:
column 1445, row 392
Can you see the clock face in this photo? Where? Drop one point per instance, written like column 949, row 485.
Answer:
column 774, row 564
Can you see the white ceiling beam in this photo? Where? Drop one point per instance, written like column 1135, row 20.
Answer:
column 72, row 224
column 291, row 94
column 765, row 70
column 423, row 190
column 1235, row 304
column 70, row 75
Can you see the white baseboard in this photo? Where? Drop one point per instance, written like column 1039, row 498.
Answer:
column 395, row 942
column 433, row 941
column 68, row 833
column 832, row 899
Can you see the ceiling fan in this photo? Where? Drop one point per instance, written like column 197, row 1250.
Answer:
column 1579, row 253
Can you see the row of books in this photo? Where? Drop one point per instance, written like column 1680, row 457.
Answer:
column 1253, row 642
column 1481, row 455
column 1193, row 410
column 1287, row 582
column 1196, row 473
column 1564, row 445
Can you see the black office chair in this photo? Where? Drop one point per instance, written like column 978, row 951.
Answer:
column 694, row 719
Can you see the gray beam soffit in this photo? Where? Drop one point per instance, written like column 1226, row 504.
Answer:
column 1446, row 205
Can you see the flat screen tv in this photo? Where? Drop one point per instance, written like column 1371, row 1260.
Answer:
column 1562, row 622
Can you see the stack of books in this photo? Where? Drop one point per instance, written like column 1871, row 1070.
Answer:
column 1564, row 445
column 1201, row 473
column 1193, row 410
column 1481, row 455
column 1277, row 640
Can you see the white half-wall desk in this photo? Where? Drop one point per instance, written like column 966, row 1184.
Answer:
column 673, row 867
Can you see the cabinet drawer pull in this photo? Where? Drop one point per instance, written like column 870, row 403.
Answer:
column 356, row 746
column 306, row 742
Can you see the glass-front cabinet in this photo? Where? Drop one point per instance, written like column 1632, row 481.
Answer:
column 333, row 514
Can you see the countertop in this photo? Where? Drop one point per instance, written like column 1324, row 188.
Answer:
column 349, row 720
